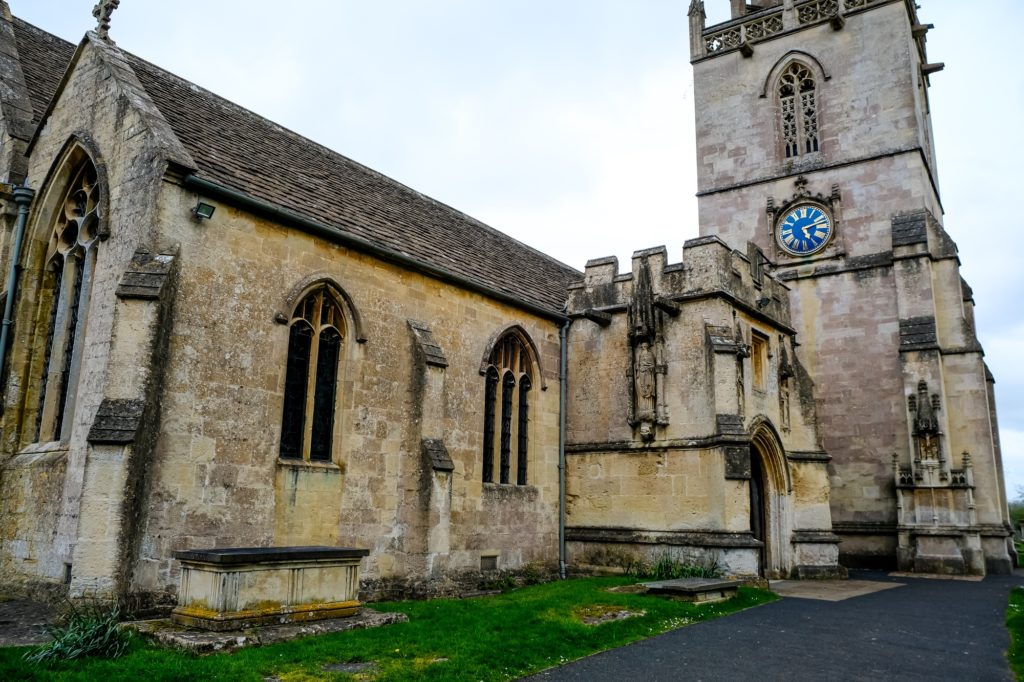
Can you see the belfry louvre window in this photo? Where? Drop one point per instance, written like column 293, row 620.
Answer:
column 315, row 341
column 799, row 105
column 66, row 288
column 507, row 411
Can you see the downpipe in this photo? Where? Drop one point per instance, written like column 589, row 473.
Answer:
column 563, row 374
column 23, row 199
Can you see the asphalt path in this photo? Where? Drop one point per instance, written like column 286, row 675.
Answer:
column 924, row 630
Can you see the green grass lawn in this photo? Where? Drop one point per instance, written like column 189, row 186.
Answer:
column 487, row 638
column 1015, row 624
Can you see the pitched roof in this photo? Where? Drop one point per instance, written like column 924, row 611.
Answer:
column 238, row 149
column 44, row 57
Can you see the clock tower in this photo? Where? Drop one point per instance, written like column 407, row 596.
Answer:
column 814, row 143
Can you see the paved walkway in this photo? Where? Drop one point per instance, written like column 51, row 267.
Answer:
column 24, row 622
column 922, row 630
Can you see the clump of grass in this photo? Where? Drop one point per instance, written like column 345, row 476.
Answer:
column 1015, row 624
column 86, row 630
column 668, row 567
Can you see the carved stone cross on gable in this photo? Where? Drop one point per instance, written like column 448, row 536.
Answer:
column 102, row 12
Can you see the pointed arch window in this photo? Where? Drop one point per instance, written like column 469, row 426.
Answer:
column 799, row 106
column 315, row 340
column 506, row 437
column 70, row 264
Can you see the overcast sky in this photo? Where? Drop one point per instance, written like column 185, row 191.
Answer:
column 569, row 123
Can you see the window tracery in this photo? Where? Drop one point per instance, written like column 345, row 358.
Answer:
column 799, row 108
column 511, row 366
column 315, row 342
column 68, row 274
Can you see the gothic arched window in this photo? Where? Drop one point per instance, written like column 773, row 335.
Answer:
column 506, row 396
column 67, row 285
column 317, row 331
column 799, row 106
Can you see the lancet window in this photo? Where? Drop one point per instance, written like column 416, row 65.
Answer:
column 506, row 437
column 67, row 286
column 315, row 341
column 799, row 106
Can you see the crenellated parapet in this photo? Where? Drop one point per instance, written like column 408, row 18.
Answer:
column 698, row 348
column 709, row 268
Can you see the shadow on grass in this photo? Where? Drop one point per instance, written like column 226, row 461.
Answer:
column 488, row 638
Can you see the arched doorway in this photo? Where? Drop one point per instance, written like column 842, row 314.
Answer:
column 770, row 488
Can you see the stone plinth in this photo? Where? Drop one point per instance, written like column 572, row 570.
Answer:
column 228, row 589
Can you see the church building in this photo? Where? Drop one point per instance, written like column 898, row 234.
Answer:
column 218, row 333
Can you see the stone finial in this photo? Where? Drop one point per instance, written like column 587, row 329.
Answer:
column 102, row 12
column 801, row 186
column 697, row 9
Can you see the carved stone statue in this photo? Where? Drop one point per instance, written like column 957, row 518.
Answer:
column 742, row 353
column 646, row 366
column 928, row 451
column 647, row 407
column 785, row 376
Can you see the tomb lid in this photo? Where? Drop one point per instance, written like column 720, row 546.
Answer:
column 249, row 555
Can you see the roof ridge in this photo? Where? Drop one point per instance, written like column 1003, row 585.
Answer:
column 320, row 147
column 247, row 152
column 43, row 31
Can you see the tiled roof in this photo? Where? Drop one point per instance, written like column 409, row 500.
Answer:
column 44, row 58
column 236, row 148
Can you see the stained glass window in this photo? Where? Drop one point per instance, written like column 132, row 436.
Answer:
column 508, row 387
column 66, row 288
column 524, row 431
column 315, row 344
column 490, row 395
column 510, row 365
column 299, row 344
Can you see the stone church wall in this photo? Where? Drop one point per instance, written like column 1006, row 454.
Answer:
column 218, row 480
column 41, row 484
column 205, row 362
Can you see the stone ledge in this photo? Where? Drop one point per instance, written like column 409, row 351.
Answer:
column 436, row 454
column 679, row 538
column 164, row 632
column 250, row 555
column 117, row 422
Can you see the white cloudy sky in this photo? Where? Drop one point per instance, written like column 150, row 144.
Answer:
column 569, row 124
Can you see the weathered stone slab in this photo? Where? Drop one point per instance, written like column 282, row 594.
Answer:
column 829, row 590
column 164, row 631
column 697, row 590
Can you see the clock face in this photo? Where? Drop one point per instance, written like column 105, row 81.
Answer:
column 804, row 230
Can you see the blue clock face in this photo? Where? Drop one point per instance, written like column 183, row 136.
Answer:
column 805, row 230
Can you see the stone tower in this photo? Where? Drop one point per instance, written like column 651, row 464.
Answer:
column 814, row 142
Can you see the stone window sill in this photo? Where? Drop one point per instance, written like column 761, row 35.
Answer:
column 50, row 446
column 308, row 464
column 510, row 491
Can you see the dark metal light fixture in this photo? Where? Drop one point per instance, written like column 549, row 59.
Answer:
column 203, row 211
